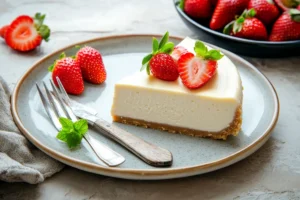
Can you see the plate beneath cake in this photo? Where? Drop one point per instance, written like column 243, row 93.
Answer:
column 122, row 56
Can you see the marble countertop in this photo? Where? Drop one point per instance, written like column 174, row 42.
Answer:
column 273, row 172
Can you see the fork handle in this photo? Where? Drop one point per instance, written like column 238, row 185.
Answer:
column 151, row 154
column 104, row 153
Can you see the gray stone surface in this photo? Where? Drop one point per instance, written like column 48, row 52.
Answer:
column 273, row 172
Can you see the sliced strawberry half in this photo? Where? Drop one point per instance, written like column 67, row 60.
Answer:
column 26, row 33
column 196, row 70
column 178, row 51
column 3, row 31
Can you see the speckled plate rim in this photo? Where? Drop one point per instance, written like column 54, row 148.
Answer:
column 145, row 174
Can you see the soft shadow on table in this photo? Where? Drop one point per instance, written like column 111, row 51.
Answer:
column 83, row 185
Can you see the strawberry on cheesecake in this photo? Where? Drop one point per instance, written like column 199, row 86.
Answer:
column 202, row 98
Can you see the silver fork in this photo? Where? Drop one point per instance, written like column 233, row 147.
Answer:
column 56, row 107
column 148, row 152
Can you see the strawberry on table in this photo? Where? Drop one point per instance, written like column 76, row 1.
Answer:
column 225, row 12
column 197, row 9
column 91, row 64
column 196, row 70
column 68, row 71
column 160, row 62
column 266, row 10
column 26, row 33
column 3, row 31
column 287, row 26
column 247, row 26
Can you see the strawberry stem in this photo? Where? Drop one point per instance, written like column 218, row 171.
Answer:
column 163, row 46
column 295, row 14
column 42, row 29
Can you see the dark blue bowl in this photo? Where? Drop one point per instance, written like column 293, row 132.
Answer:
column 253, row 48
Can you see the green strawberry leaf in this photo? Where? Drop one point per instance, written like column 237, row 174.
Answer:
column 251, row 13
column 228, row 28
column 51, row 67
column 200, row 48
column 44, row 31
column 147, row 58
column 154, row 45
column 181, row 4
column 202, row 51
column 167, row 48
column 148, row 68
column 81, row 126
column 164, row 40
column 238, row 25
column 295, row 14
column 62, row 55
column 214, row 55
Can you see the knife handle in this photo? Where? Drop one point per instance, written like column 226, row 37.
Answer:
column 151, row 154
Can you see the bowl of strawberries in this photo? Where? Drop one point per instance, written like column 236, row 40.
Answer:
column 258, row 28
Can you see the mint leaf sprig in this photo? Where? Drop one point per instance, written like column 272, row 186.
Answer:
column 72, row 133
column 202, row 51
column 163, row 46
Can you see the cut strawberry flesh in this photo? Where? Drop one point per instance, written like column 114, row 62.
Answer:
column 22, row 35
column 178, row 51
column 194, row 71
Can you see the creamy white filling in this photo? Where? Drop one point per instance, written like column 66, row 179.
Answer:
column 209, row 108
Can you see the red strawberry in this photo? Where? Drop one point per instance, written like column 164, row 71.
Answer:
column 246, row 26
column 3, row 31
column 287, row 27
column 91, row 64
column 198, row 9
column 214, row 2
column 177, row 52
column 159, row 62
column 68, row 71
column 195, row 71
column 225, row 12
column 298, row 7
column 26, row 33
column 164, row 67
column 266, row 10
column 287, row 4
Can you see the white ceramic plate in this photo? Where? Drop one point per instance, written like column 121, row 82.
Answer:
column 122, row 56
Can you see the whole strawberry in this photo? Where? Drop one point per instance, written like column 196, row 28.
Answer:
column 266, row 10
column 91, row 64
column 247, row 26
column 225, row 12
column 197, row 9
column 160, row 63
column 69, row 73
column 26, row 33
column 287, row 27
column 197, row 70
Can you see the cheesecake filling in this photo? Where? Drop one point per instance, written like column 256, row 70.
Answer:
column 212, row 108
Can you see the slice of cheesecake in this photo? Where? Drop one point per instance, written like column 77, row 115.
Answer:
column 214, row 110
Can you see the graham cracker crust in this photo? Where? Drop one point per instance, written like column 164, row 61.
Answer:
column 232, row 129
